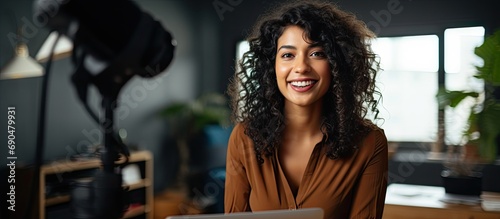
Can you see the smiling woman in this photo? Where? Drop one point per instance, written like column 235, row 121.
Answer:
column 300, row 102
column 302, row 69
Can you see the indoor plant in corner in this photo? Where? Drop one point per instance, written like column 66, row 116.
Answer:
column 201, row 129
column 483, row 126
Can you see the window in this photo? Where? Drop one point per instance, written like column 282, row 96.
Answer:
column 409, row 83
column 241, row 48
column 459, row 66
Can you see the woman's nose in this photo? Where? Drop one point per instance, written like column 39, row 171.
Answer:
column 301, row 65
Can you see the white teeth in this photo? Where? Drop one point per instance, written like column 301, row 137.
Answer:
column 301, row 83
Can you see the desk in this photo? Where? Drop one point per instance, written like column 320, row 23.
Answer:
column 423, row 202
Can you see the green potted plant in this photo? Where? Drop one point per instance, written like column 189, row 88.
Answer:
column 191, row 117
column 198, row 126
column 483, row 126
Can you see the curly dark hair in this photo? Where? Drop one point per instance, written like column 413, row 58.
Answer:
column 257, row 102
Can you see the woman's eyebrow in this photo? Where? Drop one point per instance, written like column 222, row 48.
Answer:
column 287, row 47
column 313, row 45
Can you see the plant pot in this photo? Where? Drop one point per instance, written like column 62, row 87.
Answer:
column 216, row 135
column 462, row 185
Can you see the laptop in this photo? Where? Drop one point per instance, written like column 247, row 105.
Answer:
column 309, row 213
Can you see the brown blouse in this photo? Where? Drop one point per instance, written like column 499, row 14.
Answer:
column 352, row 187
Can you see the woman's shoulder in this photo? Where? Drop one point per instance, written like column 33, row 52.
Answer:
column 375, row 136
column 376, row 130
column 239, row 129
column 373, row 129
column 238, row 134
column 240, row 144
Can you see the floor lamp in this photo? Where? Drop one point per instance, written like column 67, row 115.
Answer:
column 21, row 65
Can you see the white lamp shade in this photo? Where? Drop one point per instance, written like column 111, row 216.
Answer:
column 21, row 65
column 63, row 48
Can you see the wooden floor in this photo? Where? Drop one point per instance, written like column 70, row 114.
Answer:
column 173, row 202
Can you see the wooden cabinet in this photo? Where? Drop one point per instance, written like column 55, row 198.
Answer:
column 54, row 188
column 426, row 202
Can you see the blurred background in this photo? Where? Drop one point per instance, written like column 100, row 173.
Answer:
column 209, row 37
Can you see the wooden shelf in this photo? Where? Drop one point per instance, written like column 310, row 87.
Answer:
column 64, row 168
column 57, row 200
column 69, row 166
column 66, row 198
column 143, row 183
column 93, row 163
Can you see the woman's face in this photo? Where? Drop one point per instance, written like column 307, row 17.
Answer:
column 302, row 68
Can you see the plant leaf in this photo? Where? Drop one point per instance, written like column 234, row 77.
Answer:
column 174, row 109
column 453, row 98
column 489, row 128
column 489, row 51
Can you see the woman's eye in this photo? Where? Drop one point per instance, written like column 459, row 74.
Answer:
column 287, row 55
column 318, row 54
